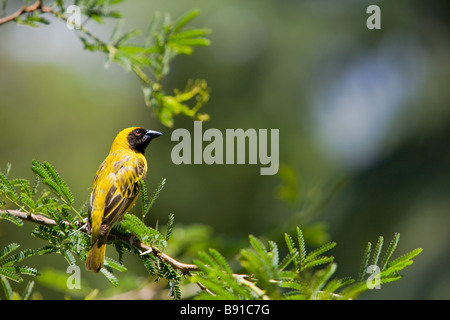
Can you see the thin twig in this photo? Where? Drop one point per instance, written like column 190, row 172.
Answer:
column 185, row 268
column 24, row 9
column 37, row 6
column 102, row 46
column 36, row 218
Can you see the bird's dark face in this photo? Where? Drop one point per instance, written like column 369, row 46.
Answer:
column 139, row 138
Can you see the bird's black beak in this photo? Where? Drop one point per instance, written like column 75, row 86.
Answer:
column 153, row 134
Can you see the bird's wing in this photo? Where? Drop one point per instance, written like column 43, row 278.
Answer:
column 116, row 189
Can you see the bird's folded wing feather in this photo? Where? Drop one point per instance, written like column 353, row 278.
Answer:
column 116, row 192
column 124, row 192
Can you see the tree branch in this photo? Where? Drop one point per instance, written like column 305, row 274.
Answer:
column 24, row 9
column 31, row 217
column 184, row 268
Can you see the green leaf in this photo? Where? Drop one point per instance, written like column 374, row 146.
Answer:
column 11, row 218
column 377, row 252
column 274, row 255
column 6, row 287
column 220, row 261
column 295, row 285
column 127, row 36
column 23, row 185
column 156, row 194
column 27, row 291
column 390, row 250
column 336, row 284
column 195, row 33
column 37, row 19
column 365, row 262
column 144, row 197
column 317, row 262
column 322, row 276
column 170, row 224
column 7, row 169
column 257, row 245
column 313, row 255
column 144, row 233
column 8, row 249
column 115, row 264
column 190, row 42
column 149, row 263
column 69, row 257
column 301, row 244
column 8, row 267
column 7, row 188
column 287, row 261
column 185, row 20
column 26, row 270
column 17, row 257
column 220, row 292
column 109, row 275
column 26, row 199
column 152, row 29
column 404, row 258
column 41, row 170
column 10, row 274
column 292, row 250
column 116, row 31
column 60, row 182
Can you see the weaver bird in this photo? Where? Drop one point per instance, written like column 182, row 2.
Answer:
column 116, row 188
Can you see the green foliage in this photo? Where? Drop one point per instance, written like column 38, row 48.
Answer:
column 165, row 40
column 145, row 234
column 384, row 272
column 8, row 216
column 8, row 265
column 298, row 275
column 265, row 271
column 25, row 196
column 147, row 202
column 150, row 60
column 13, row 295
column 32, row 19
column 157, row 241
column 66, row 234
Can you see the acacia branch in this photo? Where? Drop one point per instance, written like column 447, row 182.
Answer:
column 31, row 217
column 37, row 6
column 26, row 9
column 184, row 268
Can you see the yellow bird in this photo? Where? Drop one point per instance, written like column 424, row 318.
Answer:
column 116, row 188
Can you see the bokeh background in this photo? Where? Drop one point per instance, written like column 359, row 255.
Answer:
column 364, row 122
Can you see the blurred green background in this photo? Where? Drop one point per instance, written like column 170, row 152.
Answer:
column 363, row 115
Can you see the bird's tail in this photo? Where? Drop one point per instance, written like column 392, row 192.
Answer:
column 96, row 256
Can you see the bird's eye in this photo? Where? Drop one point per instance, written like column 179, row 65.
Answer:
column 137, row 132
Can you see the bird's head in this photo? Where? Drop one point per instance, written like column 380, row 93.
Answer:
column 135, row 138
